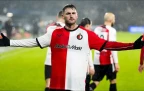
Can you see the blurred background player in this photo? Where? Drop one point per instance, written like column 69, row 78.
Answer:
column 8, row 28
column 87, row 23
column 35, row 29
column 59, row 23
column 106, row 62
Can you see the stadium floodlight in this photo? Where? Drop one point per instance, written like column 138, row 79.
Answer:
column 9, row 14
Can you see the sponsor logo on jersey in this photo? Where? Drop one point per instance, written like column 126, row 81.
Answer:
column 79, row 36
column 74, row 47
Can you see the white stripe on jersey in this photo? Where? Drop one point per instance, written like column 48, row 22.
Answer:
column 76, row 77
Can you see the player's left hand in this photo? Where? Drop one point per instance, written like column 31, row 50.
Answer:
column 4, row 41
column 117, row 67
column 141, row 68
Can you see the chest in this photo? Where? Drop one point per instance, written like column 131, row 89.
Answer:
column 74, row 41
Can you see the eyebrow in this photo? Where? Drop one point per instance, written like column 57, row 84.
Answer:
column 70, row 12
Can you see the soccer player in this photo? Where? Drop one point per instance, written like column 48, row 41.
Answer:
column 69, row 48
column 58, row 24
column 87, row 23
column 106, row 61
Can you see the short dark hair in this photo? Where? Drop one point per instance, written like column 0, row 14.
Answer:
column 85, row 21
column 60, row 14
column 68, row 6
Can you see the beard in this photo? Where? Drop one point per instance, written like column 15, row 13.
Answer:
column 70, row 23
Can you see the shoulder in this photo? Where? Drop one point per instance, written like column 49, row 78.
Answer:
column 60, row 24
column 51, row 28
column 81, row 27
column 54, row 28
column 89, row 32
column 49, row 25
column 111, row 28
column 98, row 28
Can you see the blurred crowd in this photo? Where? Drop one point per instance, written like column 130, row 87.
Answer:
column 15, row 31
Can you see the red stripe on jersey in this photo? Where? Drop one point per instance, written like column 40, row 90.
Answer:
column 104, row 57
column 58, row 74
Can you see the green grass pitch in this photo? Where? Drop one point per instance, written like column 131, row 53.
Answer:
column 23, row 69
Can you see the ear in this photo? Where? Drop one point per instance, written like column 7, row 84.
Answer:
column 63, row 15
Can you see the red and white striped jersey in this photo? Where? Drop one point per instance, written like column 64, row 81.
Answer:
column 105, row 57
column 69, row 56
column 50, row 27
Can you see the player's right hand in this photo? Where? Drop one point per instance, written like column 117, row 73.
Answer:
column 141, row 68
column 117, row 67
column 4, row 41
column 139, row 43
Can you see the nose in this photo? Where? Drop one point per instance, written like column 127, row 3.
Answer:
column 70, row 15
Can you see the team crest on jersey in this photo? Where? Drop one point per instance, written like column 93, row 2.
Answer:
column 79, row 36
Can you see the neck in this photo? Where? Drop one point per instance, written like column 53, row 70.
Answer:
column 107, row 23
column 71, row 27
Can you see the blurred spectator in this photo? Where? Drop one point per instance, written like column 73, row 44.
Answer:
column 8, row 28
column 35, row 30
column 1, row 25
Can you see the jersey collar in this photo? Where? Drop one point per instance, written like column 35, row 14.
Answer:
column 71, row 30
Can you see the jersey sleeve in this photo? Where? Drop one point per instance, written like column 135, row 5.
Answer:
column 24, row 43
column 95, row 42
column 99, row 44
column 44, row 41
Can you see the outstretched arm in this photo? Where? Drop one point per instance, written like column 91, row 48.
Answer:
column 138, row 44
column 24, row 43
column 117, row 46
column 42, row 41
column 99, row 44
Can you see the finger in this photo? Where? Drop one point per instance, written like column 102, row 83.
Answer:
column 139, row 69
column 140, row 37
column 116, row 70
